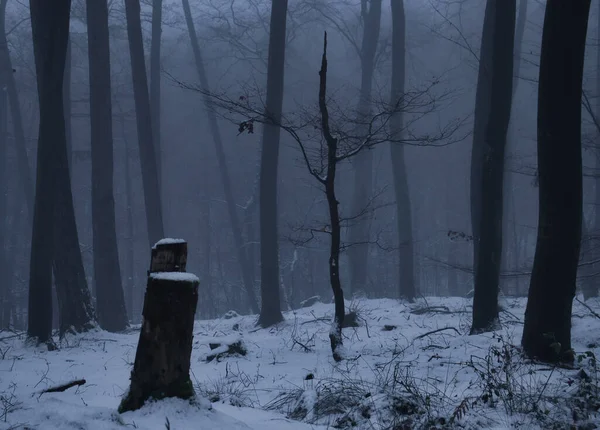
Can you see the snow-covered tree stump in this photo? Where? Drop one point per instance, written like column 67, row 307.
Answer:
column 162, row 360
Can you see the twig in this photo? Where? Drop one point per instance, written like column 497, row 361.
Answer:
column 588, row 308
column 316, row 320
column 64, row 387
column 436, row 331
column 306, row 348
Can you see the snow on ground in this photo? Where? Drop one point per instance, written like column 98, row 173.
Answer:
column 399, row 374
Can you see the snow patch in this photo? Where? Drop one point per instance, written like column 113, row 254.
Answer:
column 223, row 340
column 419, row 370
column 175, row 276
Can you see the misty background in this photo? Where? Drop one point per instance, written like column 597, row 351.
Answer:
column 442, row 43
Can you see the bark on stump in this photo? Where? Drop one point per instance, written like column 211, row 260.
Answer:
column 162, row 360
column 168, row 255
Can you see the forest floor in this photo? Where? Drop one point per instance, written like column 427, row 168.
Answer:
column 408, row 366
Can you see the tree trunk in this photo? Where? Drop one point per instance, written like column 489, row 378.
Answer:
column 5, row 270
column 157, row 6
column 67, row 104
column 25, row 174
column 207, row 264
column 497, row 56
column 453, row 288
column 335, row 333
column 593, row 290
column 18, row 228
column 75, row 309
column 75, row 305
column 50, row 27
column 131, row 288
column 547, row 329
column 510, row 234
column 162, row 359
column 110, row 300
column 251, row 239
column 148, row 157
column 359, row 231
column 270, row 312
column 129, row 242
column 236, row 227
column 586, row 272
column 406, row 277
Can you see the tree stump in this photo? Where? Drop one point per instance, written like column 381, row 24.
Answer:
column 168, row 255
column 162, row 360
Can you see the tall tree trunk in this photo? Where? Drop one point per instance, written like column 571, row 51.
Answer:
column 497, row 57
column 152, row 198
column 110, row 301
column 270, row 312
column 335, row 334
column 510, row 234
column 482, row 114
column 50, row 27
column 251, row 237
column 406, row 277
column 74, row 301
column 359, row 231
column 5, row 269
column 250, row 226
column 75, row 309
column 18, row 228
column 207, row 265
column 67, row 103
column 592, row 289
column 25, row 174
column 236, row 227
column 130, row 243
column 157, row 6
column 547, row 329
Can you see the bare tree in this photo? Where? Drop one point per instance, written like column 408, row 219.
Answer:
column 157, row 6
column 364, row 43
column 5, row 270
column 25, row 175
column 110, row 301
column 270, row 312
column 67, row 103
column 492, row 115
column 334, row 143
column 406, row 278
column 236, row 227
column 335, row 334
column 547, row 329
column 510, row 232
column 152, row 198
column 50, row 26
column 359, row 231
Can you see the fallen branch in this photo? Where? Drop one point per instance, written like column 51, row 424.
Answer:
column 324, row 319
column 421, row 336
column 431, row 309
column 64, row 387
column 306, row 348
column 11, row 336
column 585, row 305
